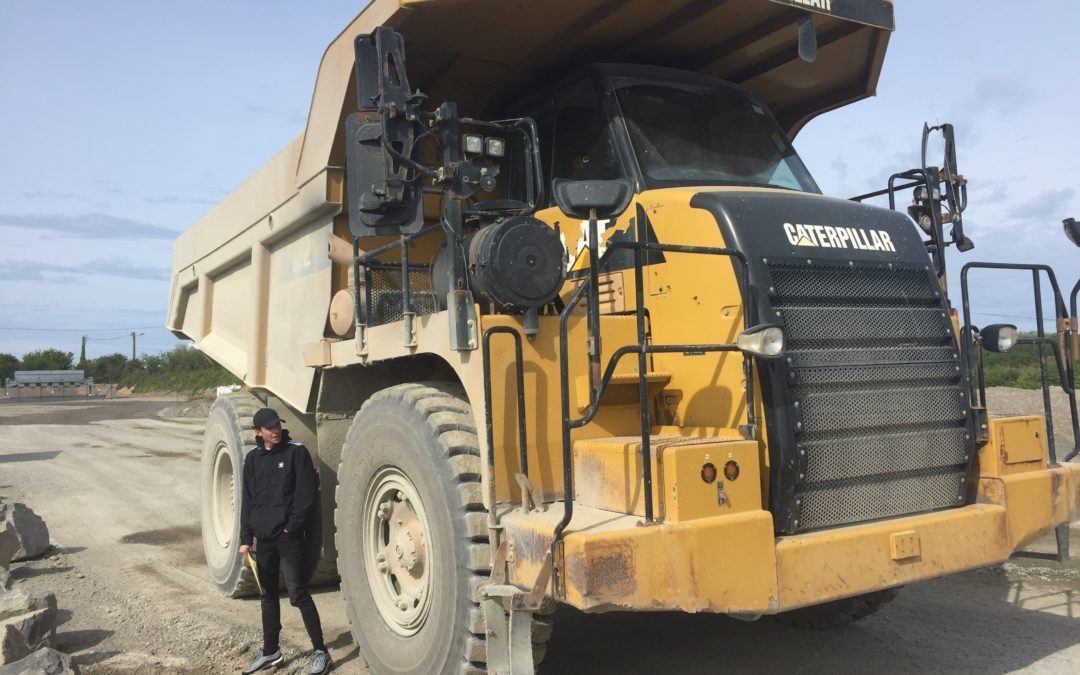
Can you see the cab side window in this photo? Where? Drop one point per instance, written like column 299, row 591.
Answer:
column 583, row 149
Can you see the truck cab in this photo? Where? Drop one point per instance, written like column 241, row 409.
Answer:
column 661, row 128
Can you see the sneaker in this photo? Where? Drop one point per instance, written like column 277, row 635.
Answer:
column 261, row 662
column 320, row 662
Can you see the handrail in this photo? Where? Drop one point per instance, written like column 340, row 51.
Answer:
column 519, row 364
column 1066, row 375
column 639, row 247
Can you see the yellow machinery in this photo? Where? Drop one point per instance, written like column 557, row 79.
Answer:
column 565, row 319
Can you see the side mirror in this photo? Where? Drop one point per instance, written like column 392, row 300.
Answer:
column 1072, row 230
column 998, row 337
column 608, row 198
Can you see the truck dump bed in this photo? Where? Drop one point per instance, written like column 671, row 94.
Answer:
column 251, row 283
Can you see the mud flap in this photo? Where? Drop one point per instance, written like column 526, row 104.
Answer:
column 509, row 637
column 1061, row 534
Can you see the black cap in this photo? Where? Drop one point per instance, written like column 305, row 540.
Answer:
column 265, row 418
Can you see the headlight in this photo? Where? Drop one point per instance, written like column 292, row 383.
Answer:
column 496, row 147
column 999, row 337
column 765, row 341
column 474, row 143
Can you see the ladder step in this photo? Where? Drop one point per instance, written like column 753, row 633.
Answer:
column 623, row 388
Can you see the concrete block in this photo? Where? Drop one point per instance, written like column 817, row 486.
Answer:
column 44, row 661
column 12, row 645
column 31, row 529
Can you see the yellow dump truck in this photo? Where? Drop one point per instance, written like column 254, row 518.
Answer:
column 565, row 319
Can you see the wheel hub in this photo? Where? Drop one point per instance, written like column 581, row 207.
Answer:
column 223, row 493
column 399, row 567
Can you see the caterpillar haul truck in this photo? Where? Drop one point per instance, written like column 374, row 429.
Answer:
column 564, row 319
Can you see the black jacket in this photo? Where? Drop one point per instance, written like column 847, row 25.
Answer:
column 280, row 490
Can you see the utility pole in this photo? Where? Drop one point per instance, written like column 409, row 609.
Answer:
column 82, row 352
column 133, row 334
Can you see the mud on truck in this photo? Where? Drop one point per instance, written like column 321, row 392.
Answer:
column 569, row 321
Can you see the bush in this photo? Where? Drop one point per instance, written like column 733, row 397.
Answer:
column 183, row 369
column 1019, row 367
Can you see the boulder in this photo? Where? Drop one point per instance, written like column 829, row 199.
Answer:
column 30, row 528
column 44, row 661
column 38, row 627
column 12, row 645
column 9, row 543
column 14, row 603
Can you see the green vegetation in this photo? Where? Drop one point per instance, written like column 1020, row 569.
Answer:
column 183, row 369
column 46, row 359
column 1019, row 367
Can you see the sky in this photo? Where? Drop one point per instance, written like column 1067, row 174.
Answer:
column 124, row 122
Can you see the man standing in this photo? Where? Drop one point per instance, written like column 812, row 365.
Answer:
column 279, row 503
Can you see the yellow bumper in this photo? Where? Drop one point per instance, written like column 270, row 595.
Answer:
column 735, row 564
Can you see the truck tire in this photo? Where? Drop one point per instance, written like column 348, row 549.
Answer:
column 226, row 440
column 412, row 534
column 838, row 612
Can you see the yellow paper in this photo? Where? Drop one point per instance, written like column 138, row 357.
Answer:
column 254, row 570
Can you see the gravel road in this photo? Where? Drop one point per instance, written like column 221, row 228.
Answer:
column 117, row 483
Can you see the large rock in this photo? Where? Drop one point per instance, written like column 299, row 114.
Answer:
column 44, row 661
column 30, row 528
column 38, row 627
column 9, row 542
column 14, row 603
column 12, row 645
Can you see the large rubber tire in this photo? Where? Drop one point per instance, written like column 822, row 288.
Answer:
column 410, row 479
column 227, row 439
column 839, row 612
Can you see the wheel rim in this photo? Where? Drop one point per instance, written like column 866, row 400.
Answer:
column 396, row 551
column 223, row 516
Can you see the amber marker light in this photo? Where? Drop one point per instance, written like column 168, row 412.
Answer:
column 731, row 470
column 708, row 472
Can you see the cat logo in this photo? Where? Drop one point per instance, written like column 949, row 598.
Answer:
column 827, row 236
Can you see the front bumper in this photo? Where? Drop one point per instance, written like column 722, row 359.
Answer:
column 735, row 564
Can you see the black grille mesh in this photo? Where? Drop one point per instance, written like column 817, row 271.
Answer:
column 874, row 375
column 386, row 305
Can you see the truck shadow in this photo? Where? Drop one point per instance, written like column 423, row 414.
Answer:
column 992, row 620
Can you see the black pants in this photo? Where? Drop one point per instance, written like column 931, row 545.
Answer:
column 270, row 555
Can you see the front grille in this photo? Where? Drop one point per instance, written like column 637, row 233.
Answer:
column 875, row 395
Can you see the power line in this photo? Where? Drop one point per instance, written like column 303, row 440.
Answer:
column 1013, row 316
column 79, row 330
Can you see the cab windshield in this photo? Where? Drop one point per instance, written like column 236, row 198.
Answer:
column 685, row 135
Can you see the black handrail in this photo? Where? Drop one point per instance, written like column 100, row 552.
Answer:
column 1065, row 371
column 490, row 426
column 369, row 259
column 640, row 247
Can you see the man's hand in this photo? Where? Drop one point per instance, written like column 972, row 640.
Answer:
column 244, row 550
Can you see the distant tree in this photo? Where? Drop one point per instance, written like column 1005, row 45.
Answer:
column 48, row 359
column 106, row 369
column 8, row 365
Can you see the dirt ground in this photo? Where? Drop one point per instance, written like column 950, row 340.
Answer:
column 117, row 483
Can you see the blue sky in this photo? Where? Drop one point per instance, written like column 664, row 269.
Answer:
column 125, row 122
